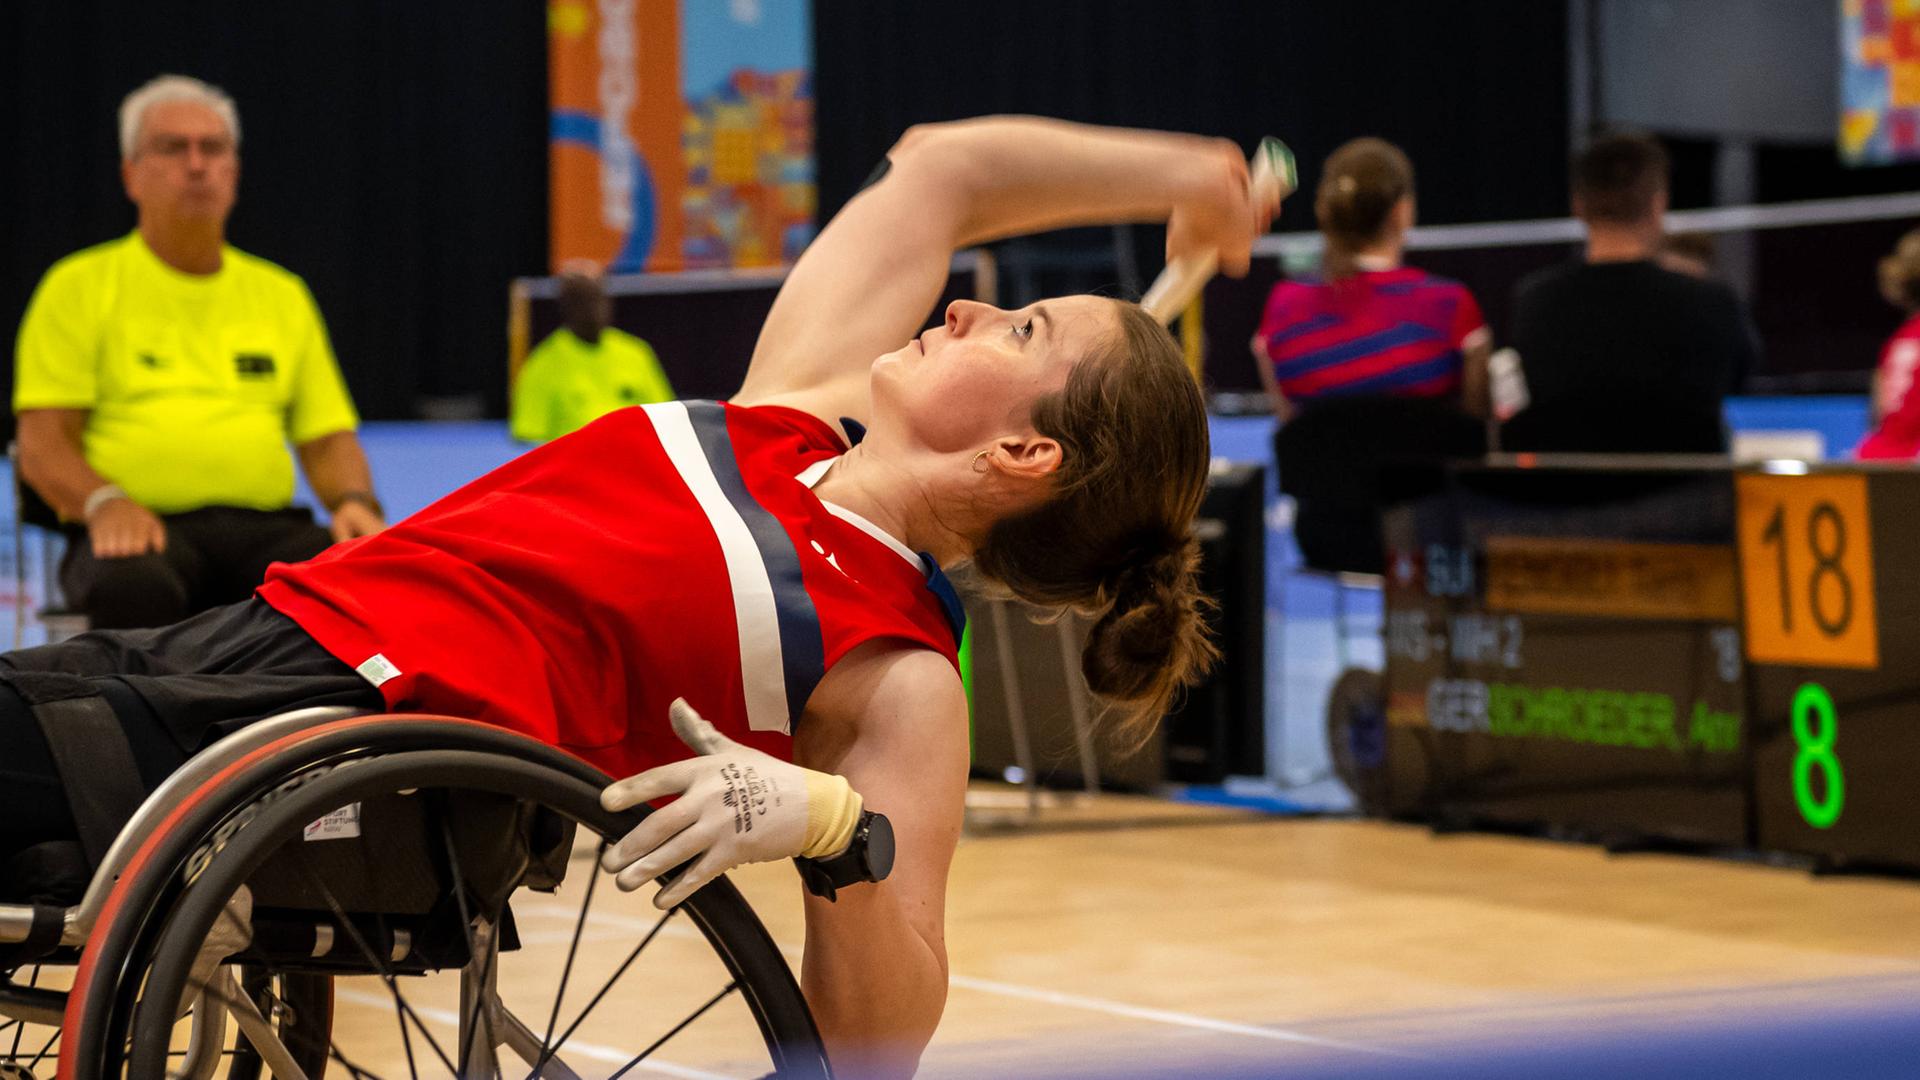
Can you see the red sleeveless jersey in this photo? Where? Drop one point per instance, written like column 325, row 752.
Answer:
column 672, row 550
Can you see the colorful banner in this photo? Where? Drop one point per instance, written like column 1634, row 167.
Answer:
column 681, row 133
column 1879, row 81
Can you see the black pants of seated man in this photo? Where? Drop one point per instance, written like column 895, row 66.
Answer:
column 215, row 555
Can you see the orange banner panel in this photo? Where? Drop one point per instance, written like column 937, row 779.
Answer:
column 1613, row 578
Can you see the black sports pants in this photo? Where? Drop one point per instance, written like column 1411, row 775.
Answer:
column 215, row 555
column 175, row 690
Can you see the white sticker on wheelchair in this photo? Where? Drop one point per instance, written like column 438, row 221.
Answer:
column 338, row 825
column 377, row 669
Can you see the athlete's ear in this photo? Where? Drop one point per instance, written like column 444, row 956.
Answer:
column 1033, row 456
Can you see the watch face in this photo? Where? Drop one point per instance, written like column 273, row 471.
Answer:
column 879, row 848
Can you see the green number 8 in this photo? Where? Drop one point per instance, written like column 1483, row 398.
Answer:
column 1816, row 752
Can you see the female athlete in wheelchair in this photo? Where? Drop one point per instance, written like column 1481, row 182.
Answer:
column 312, row 807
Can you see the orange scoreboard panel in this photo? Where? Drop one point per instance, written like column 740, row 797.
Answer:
column 1830, row 595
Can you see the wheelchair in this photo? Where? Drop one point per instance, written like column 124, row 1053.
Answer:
column 325, row 843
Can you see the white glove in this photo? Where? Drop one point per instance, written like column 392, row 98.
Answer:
column 736, row 805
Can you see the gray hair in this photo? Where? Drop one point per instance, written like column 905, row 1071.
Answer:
column 133, row 111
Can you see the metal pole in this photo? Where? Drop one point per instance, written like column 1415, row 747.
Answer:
column 1016, row 708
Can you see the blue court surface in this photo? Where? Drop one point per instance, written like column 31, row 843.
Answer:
column 1879, row 1042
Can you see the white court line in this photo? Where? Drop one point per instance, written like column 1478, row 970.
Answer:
column 1165, row 1016
column 574, row 1048
column 1051, row 997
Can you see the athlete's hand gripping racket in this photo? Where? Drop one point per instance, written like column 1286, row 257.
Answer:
column 1271, row 176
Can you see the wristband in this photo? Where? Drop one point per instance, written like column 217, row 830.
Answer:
column 100, row 497
column 364, row 498
column 833, row 808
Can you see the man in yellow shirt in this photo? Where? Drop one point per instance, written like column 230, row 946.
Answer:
column 160, row 378
column 585, row 369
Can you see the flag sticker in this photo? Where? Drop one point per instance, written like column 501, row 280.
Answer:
column 340, row 824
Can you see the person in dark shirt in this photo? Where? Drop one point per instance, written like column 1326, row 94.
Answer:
column 1619, row 353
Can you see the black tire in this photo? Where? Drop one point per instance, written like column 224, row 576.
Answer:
column 135, row 972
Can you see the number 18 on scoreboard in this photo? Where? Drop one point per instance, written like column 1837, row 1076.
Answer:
column 1835, row 718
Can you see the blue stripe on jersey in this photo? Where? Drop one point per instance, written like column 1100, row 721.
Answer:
column 802, row 652
column 1398, row 377
column 943, row 590
column 1322, row 321
column 1354, row 349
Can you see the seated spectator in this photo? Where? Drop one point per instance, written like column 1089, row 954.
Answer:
column 585, row 369
column 160, row 377
column 1366, row 325
column 1372, row 366
column 1619, row 353
column 1896, row 407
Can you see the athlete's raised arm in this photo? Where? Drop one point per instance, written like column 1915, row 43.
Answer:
column 866, row 284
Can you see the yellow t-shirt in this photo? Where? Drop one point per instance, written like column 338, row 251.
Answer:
column 195, row 383
column 567, row 384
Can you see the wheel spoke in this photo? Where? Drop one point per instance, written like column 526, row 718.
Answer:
column 406, row 1037
column 20, row 1029
column 677, row 1029
column 41, row 1056
column 547, row 1052
column 354, row 1071
column 403, row 1011
column 480, row 1016
column 573, row 948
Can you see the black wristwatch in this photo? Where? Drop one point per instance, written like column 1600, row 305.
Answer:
column 869, row 857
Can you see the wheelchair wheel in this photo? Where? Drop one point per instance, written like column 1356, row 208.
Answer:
column 235, row 881
column 298, row 1008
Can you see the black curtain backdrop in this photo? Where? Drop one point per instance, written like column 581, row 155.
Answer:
column 395, row 150
column 1475, row 92
column 393, row 154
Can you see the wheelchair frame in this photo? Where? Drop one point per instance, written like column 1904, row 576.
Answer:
column 247, row 755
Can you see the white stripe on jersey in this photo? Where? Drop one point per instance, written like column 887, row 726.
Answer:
column 874, row 531
column 754, row 611
column 811, row 475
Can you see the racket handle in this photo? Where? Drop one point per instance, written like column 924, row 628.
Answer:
column 1271, row 176
column 1177, row 285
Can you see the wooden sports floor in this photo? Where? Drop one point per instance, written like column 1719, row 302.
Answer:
column 1133, row 932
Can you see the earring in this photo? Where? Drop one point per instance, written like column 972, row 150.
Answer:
column 977, row 459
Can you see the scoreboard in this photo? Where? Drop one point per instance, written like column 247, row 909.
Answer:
column 1830, row 575
column 1658, row 647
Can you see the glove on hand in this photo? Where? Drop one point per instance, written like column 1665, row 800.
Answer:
column 736, row 805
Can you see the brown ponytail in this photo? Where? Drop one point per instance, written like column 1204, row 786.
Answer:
column 1116, row 540
column 1361, row 184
